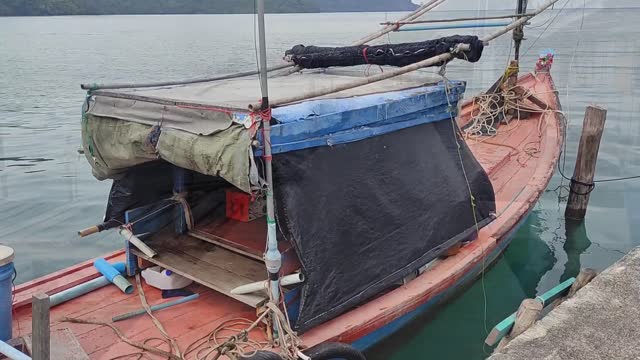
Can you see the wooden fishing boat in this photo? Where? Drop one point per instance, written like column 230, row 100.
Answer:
column 519, row 176
column 365, row 275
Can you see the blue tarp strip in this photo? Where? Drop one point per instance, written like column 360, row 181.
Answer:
column 336, row 121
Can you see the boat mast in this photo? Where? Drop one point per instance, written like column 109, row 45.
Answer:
column 518, row 33
column 273, row 258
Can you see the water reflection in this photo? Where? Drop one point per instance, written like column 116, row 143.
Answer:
column 576, row 243
column 458, row 330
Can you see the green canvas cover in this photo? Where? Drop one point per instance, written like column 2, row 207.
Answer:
column 112, row 146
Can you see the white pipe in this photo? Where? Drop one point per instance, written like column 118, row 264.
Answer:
column 273, row 258
column 292, row 279
column 11, row 352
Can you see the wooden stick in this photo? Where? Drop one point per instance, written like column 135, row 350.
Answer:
column 397, row 72
column 88, row 86
column 130, row 237
column 452, row 20
column 40, row 323
column 582, row 181
column 89, row 231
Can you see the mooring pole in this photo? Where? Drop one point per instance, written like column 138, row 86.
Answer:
column 41, row 338
column 518, row 33
column 583, row 174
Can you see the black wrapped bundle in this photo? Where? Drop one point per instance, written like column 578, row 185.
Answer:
column 311, row 57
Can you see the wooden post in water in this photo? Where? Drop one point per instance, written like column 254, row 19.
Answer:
column 41, row 336
column 582, row 181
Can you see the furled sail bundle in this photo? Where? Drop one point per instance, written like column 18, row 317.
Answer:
column 311, row 57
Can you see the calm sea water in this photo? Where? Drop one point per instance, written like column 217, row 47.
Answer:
column 47, row 192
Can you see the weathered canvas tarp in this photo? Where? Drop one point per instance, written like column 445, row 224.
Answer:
column 113, row 146
column 204, row 108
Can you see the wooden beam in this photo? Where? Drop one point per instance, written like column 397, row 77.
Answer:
column 40, row 323
column 584, row 172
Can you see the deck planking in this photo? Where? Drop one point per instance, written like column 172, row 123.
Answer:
column 207, row 264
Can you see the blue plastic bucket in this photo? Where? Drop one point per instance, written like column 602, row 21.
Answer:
column 6, row 276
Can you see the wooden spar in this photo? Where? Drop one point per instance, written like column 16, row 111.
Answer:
column 130, row 237
column 414, row 15
column 582, row 181
column 179, row 82
column 403, row 70
column 453, row 26
column 430, row 21
column 40, row 327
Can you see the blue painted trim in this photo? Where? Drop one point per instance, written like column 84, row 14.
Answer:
column 179, row 186
column 361, row 133
column 131, row 260
column 454, row 26
column 328, row 122
column 377, row 335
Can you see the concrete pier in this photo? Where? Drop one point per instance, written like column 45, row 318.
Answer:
column 602, row 321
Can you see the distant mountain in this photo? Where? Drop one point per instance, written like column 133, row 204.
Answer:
column 103, row 7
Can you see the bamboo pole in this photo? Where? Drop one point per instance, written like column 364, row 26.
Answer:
column 429, row 21
column 403, row 70
column 584, row 172
column 178, row 82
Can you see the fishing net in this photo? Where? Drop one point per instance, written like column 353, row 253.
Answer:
column 311, row 57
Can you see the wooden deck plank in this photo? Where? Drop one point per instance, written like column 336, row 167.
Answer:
column 64, row 345
column 246, row 238
column 190, row 258
column 203, row 317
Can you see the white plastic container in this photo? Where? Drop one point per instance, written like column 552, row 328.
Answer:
column 164, row 279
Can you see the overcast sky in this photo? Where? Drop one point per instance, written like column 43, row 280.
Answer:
column 510, row 4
